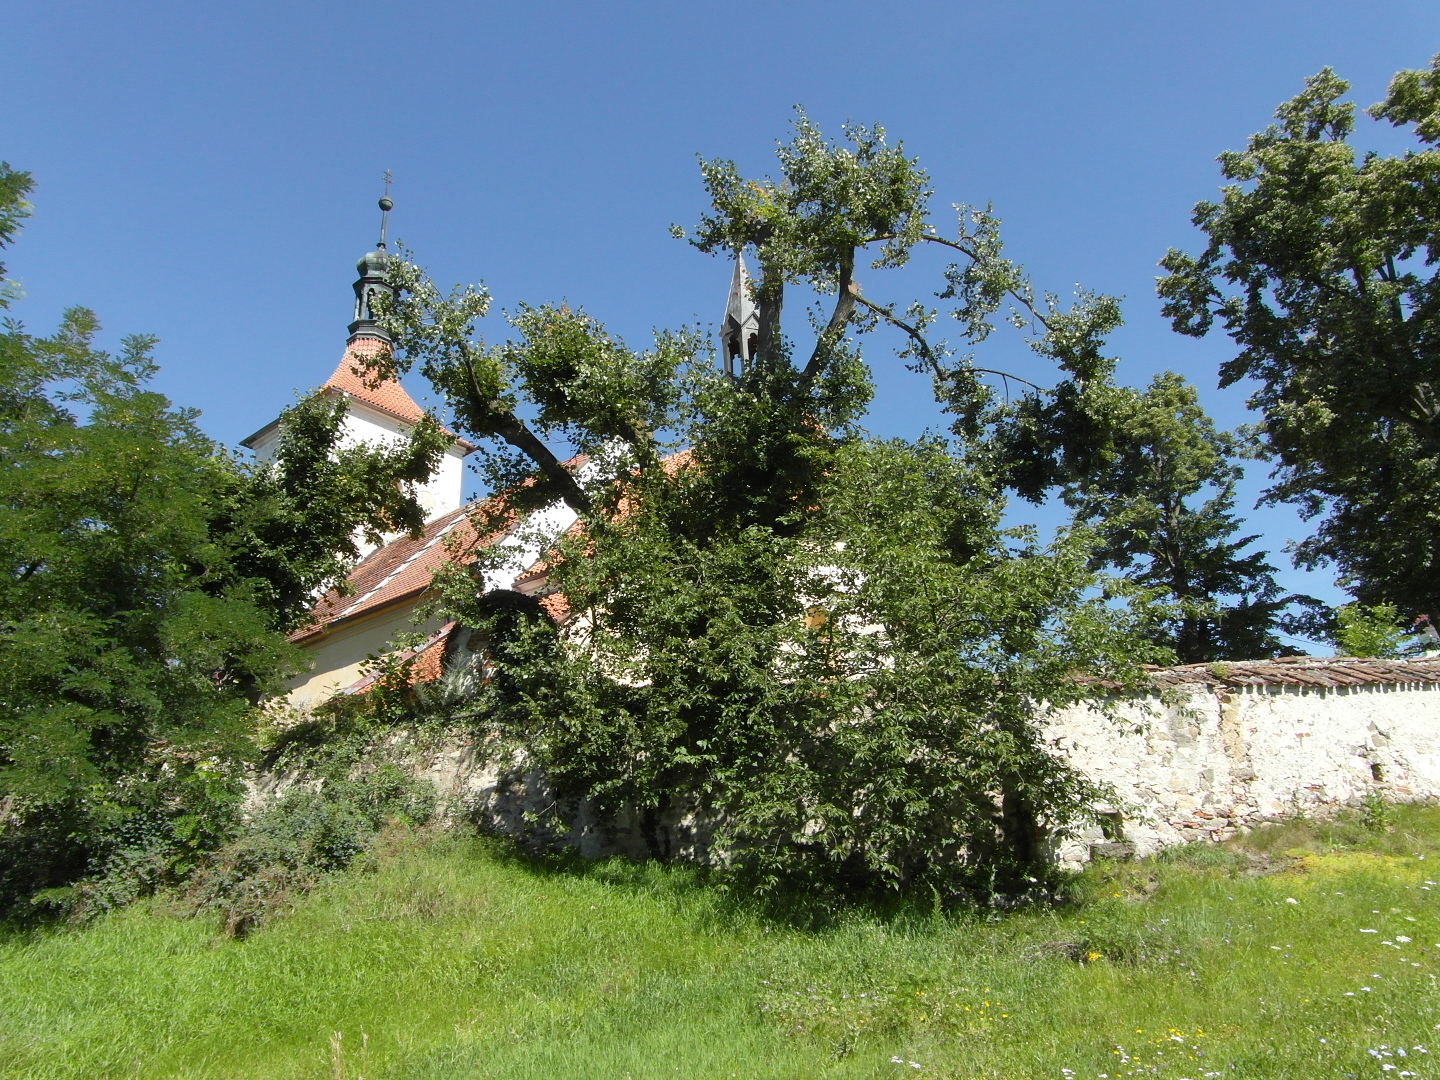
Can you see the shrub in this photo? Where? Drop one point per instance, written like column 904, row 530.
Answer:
column 308, row 832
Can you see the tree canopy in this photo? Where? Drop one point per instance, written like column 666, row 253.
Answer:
column 1320, row 264
column 147, row 580
column 822, row 644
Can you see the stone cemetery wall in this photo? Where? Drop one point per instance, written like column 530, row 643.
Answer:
column 1242, row 744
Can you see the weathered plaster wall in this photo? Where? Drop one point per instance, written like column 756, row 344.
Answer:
column 339, row 658
column 1225, row 759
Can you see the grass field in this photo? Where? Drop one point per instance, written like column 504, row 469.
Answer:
column 1311, row 952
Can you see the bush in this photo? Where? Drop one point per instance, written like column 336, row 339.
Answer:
column 285, row 849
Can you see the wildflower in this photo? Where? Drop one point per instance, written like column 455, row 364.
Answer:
column 1291, row 900
column 1402, row 939
column 1377, row 931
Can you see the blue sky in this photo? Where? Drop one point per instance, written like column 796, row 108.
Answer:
column 208, row 172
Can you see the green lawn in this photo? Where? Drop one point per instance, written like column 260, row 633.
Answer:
column 446, row 959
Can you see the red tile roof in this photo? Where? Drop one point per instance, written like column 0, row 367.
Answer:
column 386, row 395
column 427, row 662
column 401, row 569
column 1312, row 671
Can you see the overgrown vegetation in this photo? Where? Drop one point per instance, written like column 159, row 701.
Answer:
column 147, row 579
column 822, row 644
column 444, row 956
column 321, row 825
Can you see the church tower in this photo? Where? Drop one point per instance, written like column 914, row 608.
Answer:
column 740, row 329
column 378, row 412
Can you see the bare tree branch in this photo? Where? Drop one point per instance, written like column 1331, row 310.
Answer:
column 924, row 346
column 1024, row 301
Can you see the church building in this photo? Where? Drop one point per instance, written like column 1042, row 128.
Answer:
column 390, row 583
column 386, row 589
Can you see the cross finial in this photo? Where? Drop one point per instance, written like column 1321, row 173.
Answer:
column 385, row 207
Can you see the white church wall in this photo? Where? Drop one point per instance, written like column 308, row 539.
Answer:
column 362, row 425
column 527, row 542
column 445, row 488
column 1216, row 763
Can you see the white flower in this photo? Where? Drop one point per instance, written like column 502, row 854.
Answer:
column 1402, row 938
column 1291, row 900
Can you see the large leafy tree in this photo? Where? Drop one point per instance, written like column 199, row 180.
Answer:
column 822, row 641
column 1321, row 266
column 147, row 579
column 1162, row 503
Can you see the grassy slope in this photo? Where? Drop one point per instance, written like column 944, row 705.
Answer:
column 446, row 959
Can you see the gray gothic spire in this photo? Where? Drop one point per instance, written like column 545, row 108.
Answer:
column 373, row 279
column 741, row 328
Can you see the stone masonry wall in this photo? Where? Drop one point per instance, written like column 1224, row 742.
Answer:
column 1225, row 758
column 1217, row 749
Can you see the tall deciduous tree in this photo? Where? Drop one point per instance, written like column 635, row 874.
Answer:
column 147, row 579
column 825, row 642
column 1321, row 266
